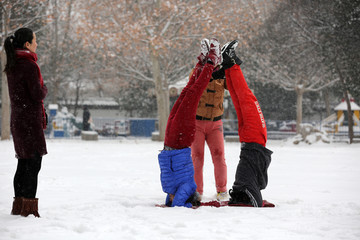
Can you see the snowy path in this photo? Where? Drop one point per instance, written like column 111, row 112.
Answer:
column 107, row 190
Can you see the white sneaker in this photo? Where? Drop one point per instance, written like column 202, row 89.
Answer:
column 222, row 196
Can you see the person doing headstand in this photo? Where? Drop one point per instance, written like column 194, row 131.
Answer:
column 251, row 173
column 176, row 166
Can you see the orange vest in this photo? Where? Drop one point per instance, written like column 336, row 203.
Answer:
column 211, row 106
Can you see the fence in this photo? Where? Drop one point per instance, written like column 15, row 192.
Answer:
column 143, row 127
column 277, row 130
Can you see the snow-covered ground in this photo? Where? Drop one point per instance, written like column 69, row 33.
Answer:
column 107, row 190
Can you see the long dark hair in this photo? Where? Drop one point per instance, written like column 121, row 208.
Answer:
column 20, row 37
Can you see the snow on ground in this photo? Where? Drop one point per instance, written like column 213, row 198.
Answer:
column 107, row 190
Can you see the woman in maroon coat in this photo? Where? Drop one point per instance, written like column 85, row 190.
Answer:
column 28, row 118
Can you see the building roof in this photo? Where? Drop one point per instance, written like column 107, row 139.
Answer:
column 342, row 106
column 103, row 102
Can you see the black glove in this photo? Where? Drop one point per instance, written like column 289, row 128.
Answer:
column 219, row 74
column 229, row 62
column 229, row 55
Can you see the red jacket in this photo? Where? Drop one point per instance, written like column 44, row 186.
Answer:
column 26, row 95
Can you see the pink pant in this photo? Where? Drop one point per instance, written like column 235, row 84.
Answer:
column 212, row 133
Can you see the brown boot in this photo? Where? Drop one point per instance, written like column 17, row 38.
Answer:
column 30, row 206
column 17, row 204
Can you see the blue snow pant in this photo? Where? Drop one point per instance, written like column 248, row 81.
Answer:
column 177, row 175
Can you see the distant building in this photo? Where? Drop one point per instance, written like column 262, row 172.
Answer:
column 99, row 107
column 342, row 116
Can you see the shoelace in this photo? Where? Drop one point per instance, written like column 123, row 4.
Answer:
column 252, row 199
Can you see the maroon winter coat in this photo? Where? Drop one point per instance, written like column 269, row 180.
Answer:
column 26, row 95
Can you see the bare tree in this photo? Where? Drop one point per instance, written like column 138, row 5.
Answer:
column 57, row 47
column 290, row 54
column 154, row 40
column 340, row 39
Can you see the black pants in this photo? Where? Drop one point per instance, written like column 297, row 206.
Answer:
column 251, row 172
column 26, row 177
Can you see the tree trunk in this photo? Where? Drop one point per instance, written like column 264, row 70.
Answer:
column 350, row 117
column 162, row 95
column 327, row 102
column 161, row 88
column 346, row 97
column 299, row 93
column 55, row 57
column 5, row 101
column 77, row 95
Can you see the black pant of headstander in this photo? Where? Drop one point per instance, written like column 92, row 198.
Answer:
column 26, row 177
column 251, row 173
